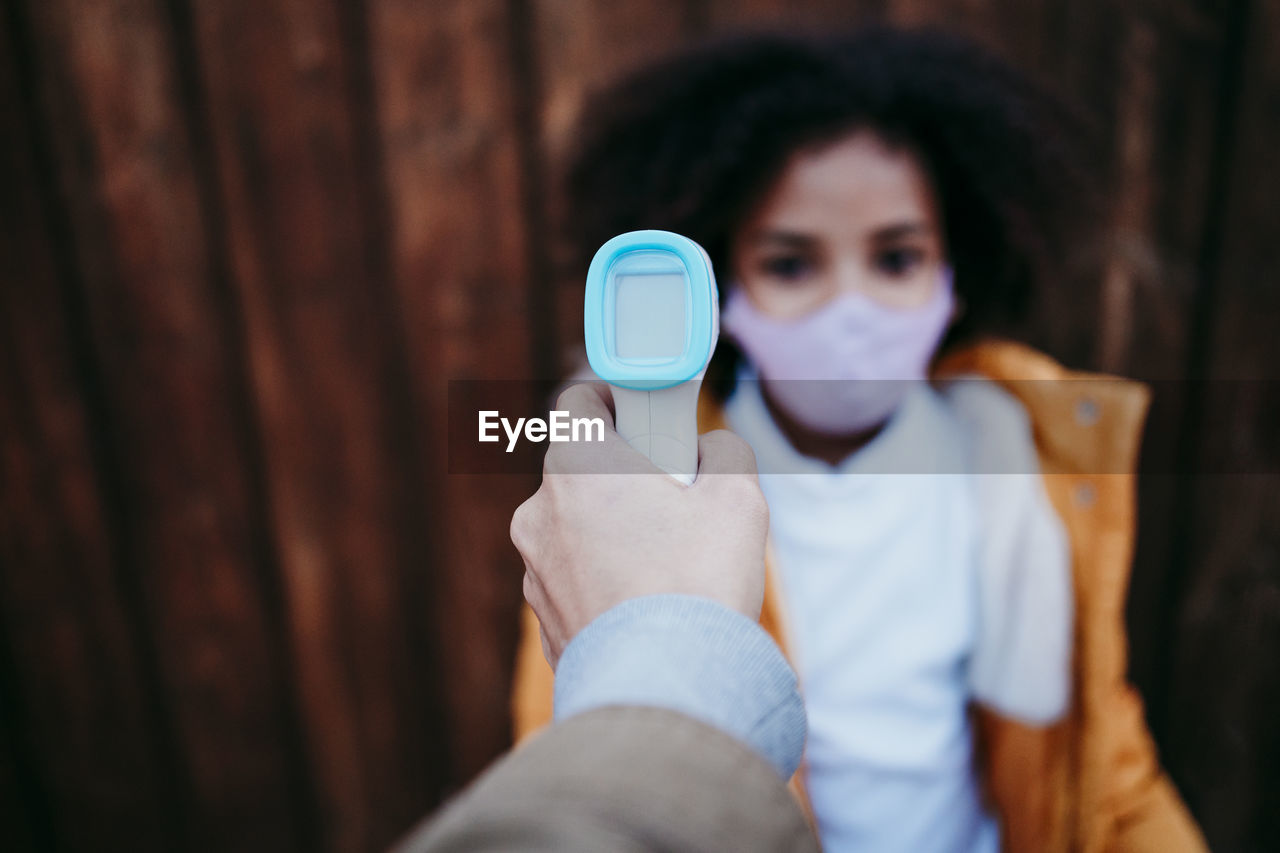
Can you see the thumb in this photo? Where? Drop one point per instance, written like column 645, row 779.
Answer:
column 722, row 452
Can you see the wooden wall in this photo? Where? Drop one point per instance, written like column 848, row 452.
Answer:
column 243, row 605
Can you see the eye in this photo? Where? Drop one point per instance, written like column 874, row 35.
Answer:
column 899, row 262
column 787, row 267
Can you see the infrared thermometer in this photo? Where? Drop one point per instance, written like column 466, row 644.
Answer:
column 652, row 319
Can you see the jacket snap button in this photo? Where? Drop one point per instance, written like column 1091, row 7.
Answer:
column 1087, row 412
column 1086, row 495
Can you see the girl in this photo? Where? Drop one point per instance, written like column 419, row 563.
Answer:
column 873, row 205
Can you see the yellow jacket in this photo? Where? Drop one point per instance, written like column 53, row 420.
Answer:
column 1089, row 782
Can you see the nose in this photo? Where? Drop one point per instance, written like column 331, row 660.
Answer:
column 850, row 277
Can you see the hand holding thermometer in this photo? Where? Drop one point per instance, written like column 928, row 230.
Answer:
column 652, row 320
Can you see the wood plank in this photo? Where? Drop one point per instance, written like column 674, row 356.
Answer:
column 456, row 161
column 730, row 16
column 290, row 124
column 1160, row 227
column 1224, row 748
column 160, row 362
column 16, row 794
column 80, row 729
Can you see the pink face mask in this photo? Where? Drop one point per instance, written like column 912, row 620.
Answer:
column 847, row 366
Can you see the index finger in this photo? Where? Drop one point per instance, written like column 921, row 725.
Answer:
column 610, row 454
column 588, row 400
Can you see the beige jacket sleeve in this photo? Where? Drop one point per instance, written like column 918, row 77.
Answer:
column 625, row 779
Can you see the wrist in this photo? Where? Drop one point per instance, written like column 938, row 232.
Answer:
column 693, row 655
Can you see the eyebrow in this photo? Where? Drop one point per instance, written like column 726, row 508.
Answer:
column 900, row 230
column 789, row 238
column 896, row 231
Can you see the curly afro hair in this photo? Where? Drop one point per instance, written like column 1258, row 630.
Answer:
column 693, row 143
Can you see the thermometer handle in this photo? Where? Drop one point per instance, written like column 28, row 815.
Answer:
column 663, row 425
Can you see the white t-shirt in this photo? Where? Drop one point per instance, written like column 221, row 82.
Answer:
column 913, row 581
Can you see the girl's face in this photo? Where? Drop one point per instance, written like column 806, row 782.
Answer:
column 854, row 216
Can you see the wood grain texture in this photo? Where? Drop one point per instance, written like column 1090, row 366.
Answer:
column 175, row 491
column 447, row 86
column 285, row 87
column 1159, row 262
column 1223, row 746
column 70, row 663
column 727, row 16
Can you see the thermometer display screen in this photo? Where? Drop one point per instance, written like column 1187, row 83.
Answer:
column 650, row 315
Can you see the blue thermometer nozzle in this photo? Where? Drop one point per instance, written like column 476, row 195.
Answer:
column 651, row 319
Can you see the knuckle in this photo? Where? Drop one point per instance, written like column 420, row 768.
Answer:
column 718, row 437
column 522, row 524
column 735, row 454
column 572, row 398
column 744, row 458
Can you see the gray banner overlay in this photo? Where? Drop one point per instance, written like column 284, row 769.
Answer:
column 963, row 426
